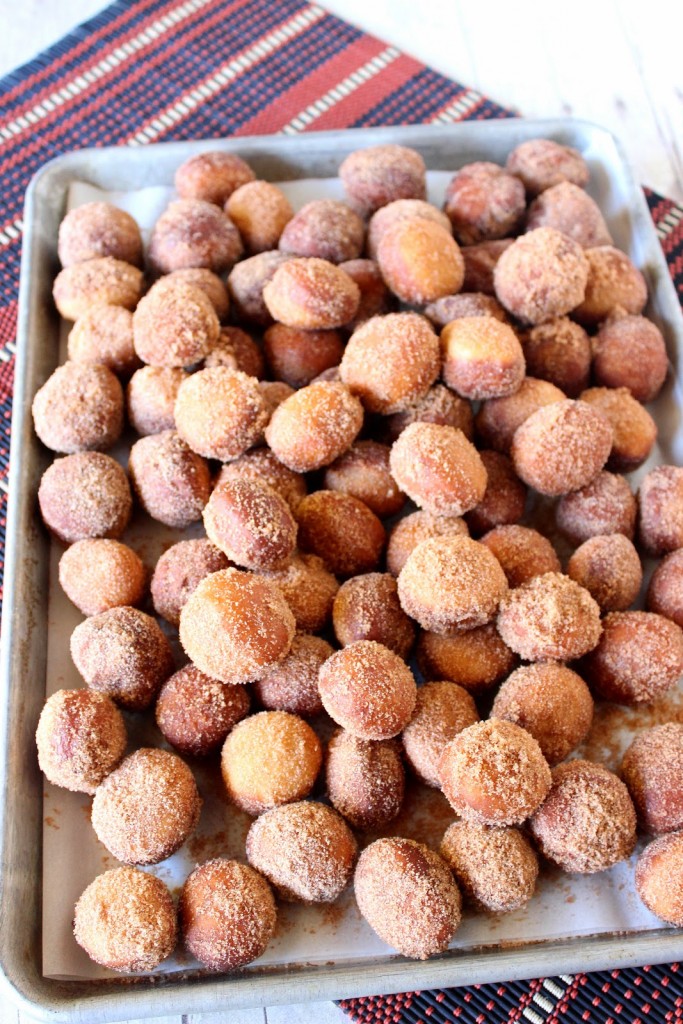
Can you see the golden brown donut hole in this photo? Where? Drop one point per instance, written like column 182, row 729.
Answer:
column 484, row 202
column 367, row 608
column 476, row 659
column 208, row 282
column 560, row 352
column 542, row 163
column 443, row 709
column 399, row 210
column 313, row 427
column 609, row 568
column 79, row 408
column 237, row 350
column 550, row 618
column 482, row 358
column 212, row 176
column 652, row 769
column 551, row 702
column 105, row 335
column 175, row 326
column 480, row 263
column 365, row 779
column 499, row 418
column 81, row 737
column 605, row 505
column 296, row 356
column 270, row 759
column 99, row 229
column 96, row 282
column 467, row 304
column 246, row 282
column 85, row 495
column 378, row 175
column 251, row 523
column 522, row 552
column 569, row 209
column 613, row 282
column 660, row 504
column 375, row 298
column 260, row 464
column 635, row 432
column 496, row 868
column 193, row 233
column 292, row 684
column 504, row 498
column 665, row 592
column 420, row 261
column 439, row 405
column 151, row 396
column 97, row 574
column 409, row 531
column 309, row 590
column 363, row 471
column 342, row 531
column 195, row 712
column 171, row 482
column 658, row 874
column 220, row 413
column 438, row 468
column 630, row 352
column 312, row 294
column 178, row 573
column 325, row 228
column 542, row 275
column 260, row 211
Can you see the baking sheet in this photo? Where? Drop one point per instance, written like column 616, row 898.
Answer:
column 563, row 906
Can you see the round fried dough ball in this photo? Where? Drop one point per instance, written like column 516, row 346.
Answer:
column 652, row 769
column 480, row 263
column 438, row 405
column 123, row 653
column 476, row 660
column 237, row 350
column 208, row 282
column 407, row 894
column 451, row 583
column 542, row 275
column 401, row 209
column 482, row 358
column 98, row 229
column 665, row 592
column 609, row 568
column 587, row 823
column 363, row 471
column 367, row 608
column 297, row 357
column 220, row 413
column 375, row 299
column 560, row 352
column 569, row 209
column 147, row 807
column 151, row 396
column 442, row 711
column 420, row 261
column 658, row 878
column 96, row 282
column 639, row 657
column 292, row 684
column 179, row 572
column 409, row 531
column 251, row 523
column 195, row 712
column 85, row 495
column 313, row 427
column 227, row 914
column 467, row 304
column 660, row 504
column 261, row 464
column 562, row 447
column 630, row 352
column 378, row 175
column 499, row 418
column 246, row 282
column 613, row 281
column 125, row 920
column 311, row 293
column 104, row 335
column 391, row 361
column 365, row 779
column 270, row 759
column 175, row 326
column 483, row 203
column 634, row 430
column 494, row 773
column 438, row 468
column 496, row 868
column 550, row 618
column 342, row 531
column 306, row 850
column 79, row 408
column 212, row 176
column 193, row 233
column 98, row 574
column 551, row 702
column 260, row 212
column 325, row 228
column 522, row 552
column 504, row 499
column 235, row 625
column 81, row 737
column 605, row 505
column 309, row 589
column 368, row 690
column 171, row 482
column 542, row 163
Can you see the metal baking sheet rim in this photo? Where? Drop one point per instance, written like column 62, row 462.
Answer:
column 23, row 654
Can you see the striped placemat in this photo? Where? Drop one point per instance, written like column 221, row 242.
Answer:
column 154, row 70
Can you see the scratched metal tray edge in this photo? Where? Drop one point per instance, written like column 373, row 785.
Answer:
column 23, row 652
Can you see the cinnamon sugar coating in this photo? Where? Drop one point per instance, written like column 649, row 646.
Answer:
column 174, row 326
column 504, row 499
column 123, row 653
column 482, row 358
column 98, row 229
column 125, row 920
column 634, row 430
column 262, row 464
column 98, row 574
column 605, row 505
column 246, row 282
column 407, row 894
column 476, row 659
column 297, row 357
column 368, row 690
column 235, row 625
column 292, row 684
column 212, row 176
column 542, row 163
column 81, row 737
column 251, row 523
column 260, row 212
column 85, row 495
column 438, row 405
column 375, row 299
column 178, row 573
column 311, row 293
column 363, row 471
column 227, row 914
column 499, row 418
column 480, row 263
column 104, row 280
column 367, row 608
column 79, row 408
column 559, row 351
column 494, row 773
column 342, row 531
column 588, row 822
column 204, row 279
column 306, row 850
column 171, row 482
column 195, row 712
column 309, row 590
column 639, row 657
column 665, row 592
column 420, row 261
column 613, row 282
column 409, row 531
column 438, row 468
column 551, row 702
column 270, row 759
column 542, row 275
column 466, row 304
column 151, row 396
column 522, row 552
column 399, row 210
column 104, row 335
column 193, row 233
column 550, row 618
column 569, row 209
column 658, row 878
column 325, row 228
column 378, row 175
column 562, row 447
column 630, row 352
column 496, row 868
column 660, row 504
column 483, row 203
column 609, row 568
column 147, row 807
column 652, row 769
column 365, row 779
column 443, row 710
column 315, row 426
column 450, row 584
column 237, row 350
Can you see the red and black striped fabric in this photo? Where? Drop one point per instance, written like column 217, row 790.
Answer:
column 153, row 70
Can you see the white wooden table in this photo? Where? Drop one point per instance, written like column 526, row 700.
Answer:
column 615, row 62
